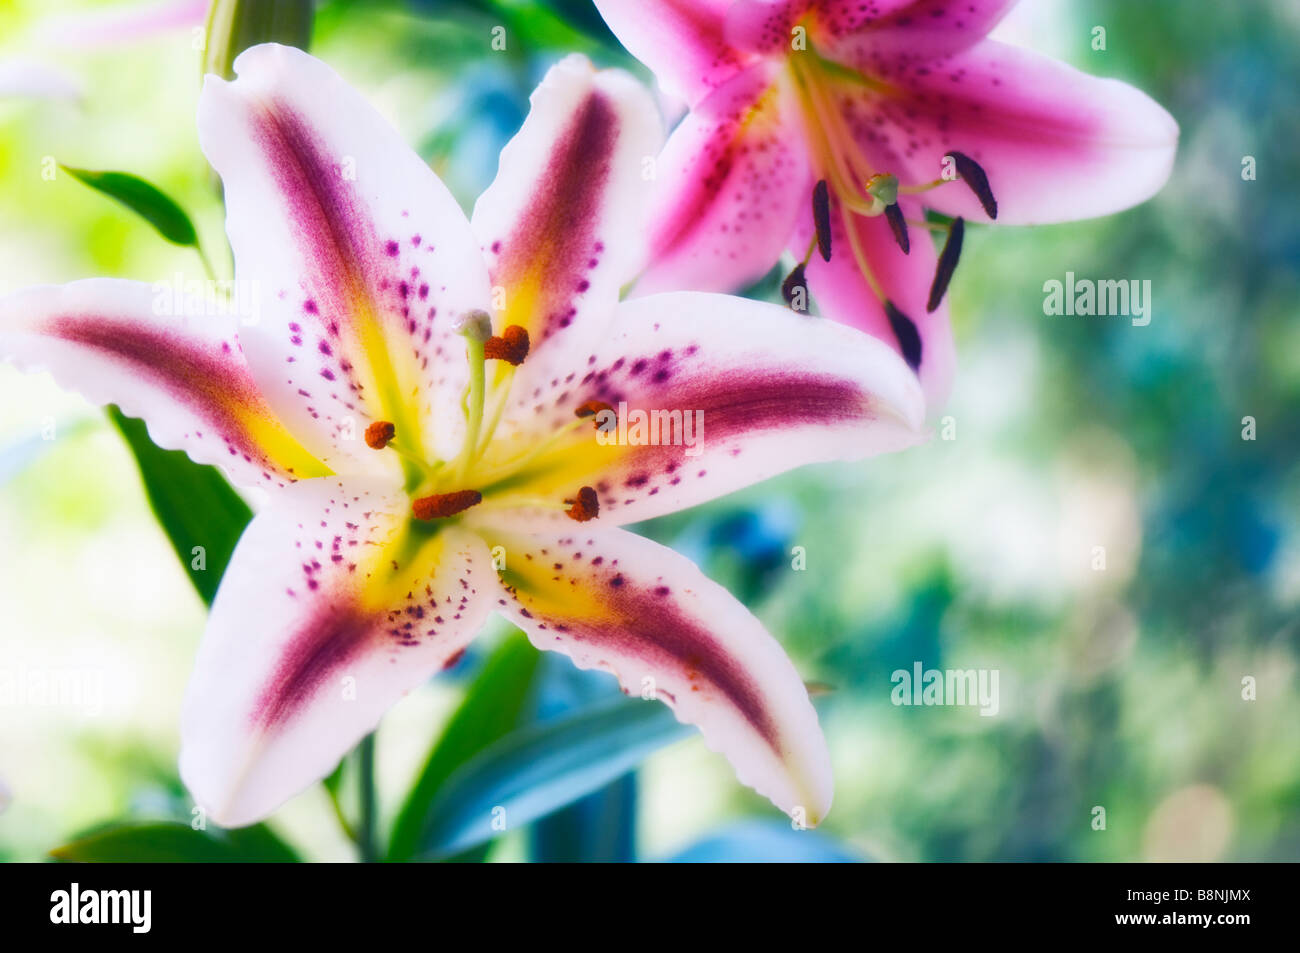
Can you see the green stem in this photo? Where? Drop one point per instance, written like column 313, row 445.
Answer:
column 348, row 830
column 365, row 833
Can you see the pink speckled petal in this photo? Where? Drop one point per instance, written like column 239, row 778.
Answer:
column 179, row 368
column 842, row 293
column 614, row 601
column 903, row 30
column 329, row 613
column 730, row 182
column 1057, row 144
column 768, row 27
column 762, row 390
column 359, row 256
column 683, row 42
column 562, row 225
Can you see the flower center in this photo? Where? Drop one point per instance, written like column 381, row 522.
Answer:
column 861, row 190
column 446, row 488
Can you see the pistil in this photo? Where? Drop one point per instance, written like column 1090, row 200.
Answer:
column 476, row 327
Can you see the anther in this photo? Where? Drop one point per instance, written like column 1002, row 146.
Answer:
column 821, row 207
column 972, row 173
column 947, row 263
column 379, row 433
column 590, row 408
column 442, row 505
column 909, row 339
column 585, row 507
column 898, row 225
column 796, row 284
column 511, row 346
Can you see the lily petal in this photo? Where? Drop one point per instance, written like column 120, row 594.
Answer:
column 762, row 390
column 767, row 27
column 362, row 258
column 682, row 41
column 843, row 294
column 732, row 176
column 1057, row 144
column 562, row 223
column 612, row 600
column 904, row 30
column 330, row 611
column 134, row 345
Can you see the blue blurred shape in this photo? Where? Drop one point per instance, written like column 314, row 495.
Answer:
column 765, row 842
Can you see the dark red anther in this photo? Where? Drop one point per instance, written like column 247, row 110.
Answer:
column 511, row 346
column 591, row 408
column 821, row 207
column 898, row 225
column 442, row 505
column 905, row 332
column 947, row 263
column 379, row 433
column 795, row 290
column 585, row 507
column 972, row 173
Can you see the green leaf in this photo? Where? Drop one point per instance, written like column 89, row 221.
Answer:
column 172, row 842
column 193, row 502
column 597, row 829
column 261, row 844
column 493, row 706
column 146, row 200
column 543, row 767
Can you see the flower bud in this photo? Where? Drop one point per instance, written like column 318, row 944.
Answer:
column 235, row 25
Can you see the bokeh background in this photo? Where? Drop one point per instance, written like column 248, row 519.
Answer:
column 1120, row 688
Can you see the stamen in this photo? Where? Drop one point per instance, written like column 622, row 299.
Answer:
column 379, row 433
column 504, row 381
column 821, row 207
column 442, row 505
column 947, row 263
column 898, row 225
column 795, row 283
column 923, row 187
column 909, row 339
column 585, row 507
column 972, row 173
column 860, row 255
column 511, row 346
column 592, row 408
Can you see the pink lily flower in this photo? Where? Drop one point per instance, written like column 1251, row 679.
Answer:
column 436, row 407
column 871, row 96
